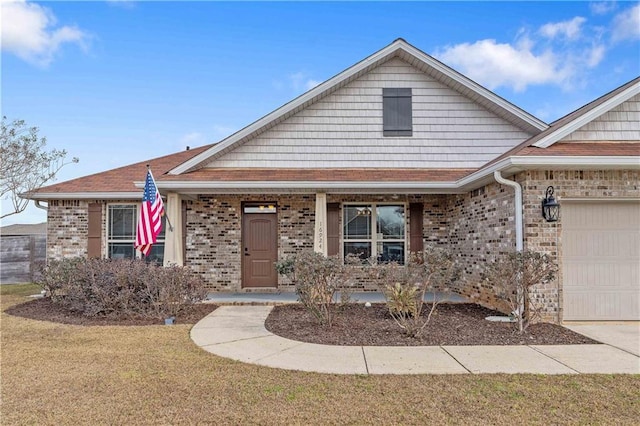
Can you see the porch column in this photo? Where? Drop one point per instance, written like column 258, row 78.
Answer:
column 320, row 234
column 173, row 235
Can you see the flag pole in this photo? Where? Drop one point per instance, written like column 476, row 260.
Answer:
column 164, row 214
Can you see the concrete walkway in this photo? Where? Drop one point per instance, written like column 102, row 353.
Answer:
column 238, row 332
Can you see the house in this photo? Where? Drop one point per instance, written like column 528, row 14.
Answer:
column 395, row 152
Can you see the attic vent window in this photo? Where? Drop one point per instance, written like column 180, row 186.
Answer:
column 397, row 113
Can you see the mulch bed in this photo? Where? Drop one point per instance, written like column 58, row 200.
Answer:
column 451, row 324
column 354, row 324
column 45, row 310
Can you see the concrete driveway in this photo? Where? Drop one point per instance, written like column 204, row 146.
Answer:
column 625, row 336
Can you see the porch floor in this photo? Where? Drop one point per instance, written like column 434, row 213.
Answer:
column 254, row 298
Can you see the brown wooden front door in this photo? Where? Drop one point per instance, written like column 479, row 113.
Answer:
column 260, row 250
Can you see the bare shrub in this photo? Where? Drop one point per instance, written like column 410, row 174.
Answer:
column 405, row 286
column 317, row 279
column 514, row 276
column 121, row 287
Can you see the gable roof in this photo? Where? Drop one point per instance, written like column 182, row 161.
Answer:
column 115, row 183
column 571, row 122
column 126, row 182
column 399, row 48
column 578, row 118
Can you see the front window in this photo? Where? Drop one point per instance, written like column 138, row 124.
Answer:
column 122, row 220
column 375, row 231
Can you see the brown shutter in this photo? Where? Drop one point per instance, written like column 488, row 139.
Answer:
column 333, row 229
column 94, row 243
column 415, row 230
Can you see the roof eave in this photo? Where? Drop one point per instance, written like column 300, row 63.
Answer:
column 83, row 195
column 512, row 165
column 253, row 187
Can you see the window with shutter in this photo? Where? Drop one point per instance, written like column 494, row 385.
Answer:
column 374, row 231
column 397, row 112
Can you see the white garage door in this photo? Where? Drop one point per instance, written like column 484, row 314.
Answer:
column 601, row 260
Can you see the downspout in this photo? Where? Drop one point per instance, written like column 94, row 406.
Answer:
column 518, row 206
column 37, row 204
column 519, row 240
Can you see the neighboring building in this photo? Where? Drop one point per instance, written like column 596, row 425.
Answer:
column 396, row 152
column 22, row 252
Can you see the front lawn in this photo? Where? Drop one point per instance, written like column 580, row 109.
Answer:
column 67, row 374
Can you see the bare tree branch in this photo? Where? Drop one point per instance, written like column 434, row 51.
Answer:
column 25, row 164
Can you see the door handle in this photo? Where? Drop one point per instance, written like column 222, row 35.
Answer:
column 246, row 251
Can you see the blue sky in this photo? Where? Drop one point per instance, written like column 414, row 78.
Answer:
column 118, row 82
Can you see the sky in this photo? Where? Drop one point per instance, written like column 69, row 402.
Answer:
column 117, row 82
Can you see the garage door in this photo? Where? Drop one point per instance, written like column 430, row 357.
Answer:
column 601, row 260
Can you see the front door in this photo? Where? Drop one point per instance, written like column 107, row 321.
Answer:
column 259, row 246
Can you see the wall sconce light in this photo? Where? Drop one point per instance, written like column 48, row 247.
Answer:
column 550, row 207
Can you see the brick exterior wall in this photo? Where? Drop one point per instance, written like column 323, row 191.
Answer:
column 214, row 235
column 214, row 232
column 478, row 227
column 67, row 228
column 547, row 237
column 481, row 226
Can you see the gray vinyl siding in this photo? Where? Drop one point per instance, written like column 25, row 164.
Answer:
column 622, row 123
column 345, row 129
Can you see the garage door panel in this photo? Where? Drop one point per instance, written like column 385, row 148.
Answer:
column 602, row 305
column 601, row 261
column 585, row 275
column 587, row 242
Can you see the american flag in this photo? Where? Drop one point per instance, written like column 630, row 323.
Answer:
column 150, row 217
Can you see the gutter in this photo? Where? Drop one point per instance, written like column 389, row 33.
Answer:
column 518, row 206
column 38, row 205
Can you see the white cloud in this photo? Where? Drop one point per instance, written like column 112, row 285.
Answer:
column 595, row 55
column 568, row 29
column 29, row 31
column 499, row 64
column 301, row 81
column 626, row 25
column 311, row 83
column 556, row 53
column 602, row 7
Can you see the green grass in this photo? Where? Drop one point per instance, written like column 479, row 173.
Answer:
column 64, row 374
column 19, row 289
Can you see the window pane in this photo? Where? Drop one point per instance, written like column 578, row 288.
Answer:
column 121, row 251
column 391, row 252
column 163, row 230
column 156, row 254
column 262, row 208
column 122, row 222
column 390, row 222
column 362, row 250
column 357, row 222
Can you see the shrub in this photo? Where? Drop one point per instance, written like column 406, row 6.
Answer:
column 120, row 287
column 405, row 286
column 317, row 279
column 514, row 276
